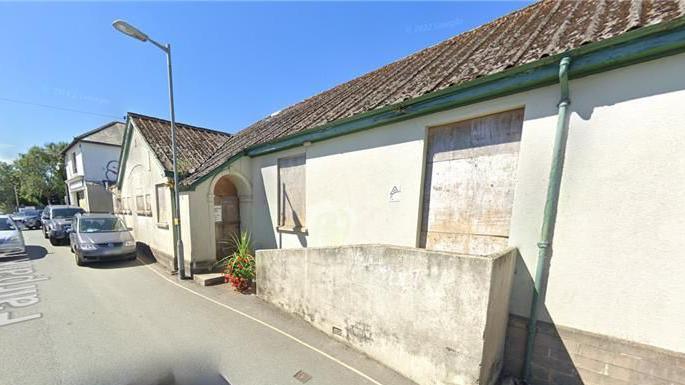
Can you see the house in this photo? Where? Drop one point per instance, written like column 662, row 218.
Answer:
column 91, row 164
column 451, row 149
column 143, row 196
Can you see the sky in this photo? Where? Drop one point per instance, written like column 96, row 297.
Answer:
column 64, row 70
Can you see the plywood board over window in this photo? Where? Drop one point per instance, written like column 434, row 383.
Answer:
column 469, row 183
column 162, row 195
column 291, row 193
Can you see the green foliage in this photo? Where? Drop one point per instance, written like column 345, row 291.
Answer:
column 8, row 179
column 41, row 174
column 38, row 176
column 240, row 266
column 241, row 263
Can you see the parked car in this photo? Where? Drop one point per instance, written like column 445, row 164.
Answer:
column 57, row 221
column 29, row 218
column 11, row 240
column 100, row 237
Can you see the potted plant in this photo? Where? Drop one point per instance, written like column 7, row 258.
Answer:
column 240, row 266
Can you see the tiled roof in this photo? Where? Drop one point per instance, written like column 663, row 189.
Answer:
column 195, row 144
column 543, row 29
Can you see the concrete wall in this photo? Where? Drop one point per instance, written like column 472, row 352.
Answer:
column 621, row 213
column 99, row 199
column 142, row 173
column 348, row 184
column 95, row 158
column 437, row 318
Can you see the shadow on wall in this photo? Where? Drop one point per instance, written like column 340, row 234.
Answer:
column 552, row 362
column 566, row 356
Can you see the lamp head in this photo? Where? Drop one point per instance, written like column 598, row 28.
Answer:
column 129, row 30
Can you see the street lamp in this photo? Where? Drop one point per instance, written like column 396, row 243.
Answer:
column 135, row 33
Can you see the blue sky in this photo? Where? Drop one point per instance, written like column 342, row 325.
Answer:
column 234, row 63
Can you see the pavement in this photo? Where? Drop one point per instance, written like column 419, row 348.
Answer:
column 133, row 323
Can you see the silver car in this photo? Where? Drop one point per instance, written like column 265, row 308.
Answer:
column 100, row 237
column 57, row 221
column 11, row 239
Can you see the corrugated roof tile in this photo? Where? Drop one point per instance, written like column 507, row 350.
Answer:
column 542, row 29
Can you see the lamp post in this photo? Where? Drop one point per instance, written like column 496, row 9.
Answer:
column 135, row 33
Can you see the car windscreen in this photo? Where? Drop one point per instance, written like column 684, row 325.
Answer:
column 5, row 224
column 30, row 213
column 65, row 213
column 100, row 225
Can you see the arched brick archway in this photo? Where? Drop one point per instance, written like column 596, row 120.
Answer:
column 226, row 215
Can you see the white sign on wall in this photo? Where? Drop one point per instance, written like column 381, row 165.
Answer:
column 218, row 213
column 395, row 194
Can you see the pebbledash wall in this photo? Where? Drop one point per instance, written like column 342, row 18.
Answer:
column 143, row 174
column 617, row 263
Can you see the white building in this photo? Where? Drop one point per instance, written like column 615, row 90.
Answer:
column 451, row 149
column 91, row 161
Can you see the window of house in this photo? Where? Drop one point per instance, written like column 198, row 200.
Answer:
column 291, row 193
column 140, row 204
column 74, row 169
column 162, row 195
column 148, row 205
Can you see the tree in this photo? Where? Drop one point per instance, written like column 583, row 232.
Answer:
column 8, row 181
column 41, row 174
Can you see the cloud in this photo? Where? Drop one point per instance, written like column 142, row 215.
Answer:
column 8, row 152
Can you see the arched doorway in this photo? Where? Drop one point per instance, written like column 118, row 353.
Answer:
column 226, row 216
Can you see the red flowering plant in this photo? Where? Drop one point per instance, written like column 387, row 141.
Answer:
column 240, row 266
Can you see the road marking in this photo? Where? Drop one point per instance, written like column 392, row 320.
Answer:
column 277, row 330
column 12, row 273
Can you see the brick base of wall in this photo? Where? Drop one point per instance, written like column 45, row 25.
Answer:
column 565, row 356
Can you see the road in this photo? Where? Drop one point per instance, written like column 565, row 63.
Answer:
column 133, row 323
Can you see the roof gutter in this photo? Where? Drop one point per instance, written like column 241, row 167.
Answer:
column 632, row 47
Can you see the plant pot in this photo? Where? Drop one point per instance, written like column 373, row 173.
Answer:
column 239, row 284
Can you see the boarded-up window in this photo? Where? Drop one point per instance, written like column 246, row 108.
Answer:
column 291, row 192
column 470, row 180
column 140, row 204
column 148, row 205
column 162, row 203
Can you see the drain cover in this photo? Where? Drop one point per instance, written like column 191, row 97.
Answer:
column 302, row 376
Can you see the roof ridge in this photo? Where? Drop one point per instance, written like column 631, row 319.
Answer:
column 185, row 125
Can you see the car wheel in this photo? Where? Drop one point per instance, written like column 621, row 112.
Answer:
column 45, row 234
column 54, row 241
column 79, row 261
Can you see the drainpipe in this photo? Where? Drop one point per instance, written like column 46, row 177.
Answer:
column 550, row 215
